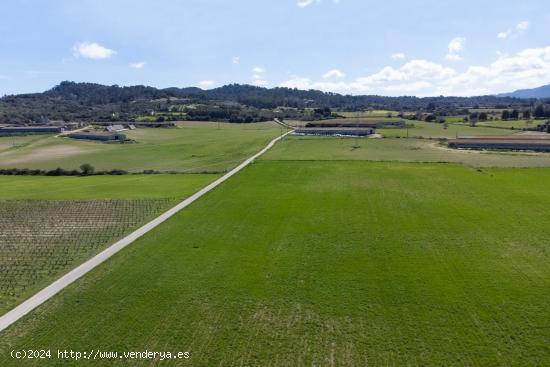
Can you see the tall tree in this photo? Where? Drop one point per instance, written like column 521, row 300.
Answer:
column 539, row 112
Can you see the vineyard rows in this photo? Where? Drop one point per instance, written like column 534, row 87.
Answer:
column 40, row 240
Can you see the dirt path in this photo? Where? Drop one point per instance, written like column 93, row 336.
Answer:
column 42, row 296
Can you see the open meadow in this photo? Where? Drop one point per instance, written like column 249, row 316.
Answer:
column 512, row 124
column 314, row 148
column 326, row 251
column 421, row 129
column 190, row 147
column 367, row 114
column 320, row 263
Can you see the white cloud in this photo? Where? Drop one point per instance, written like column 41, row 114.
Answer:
column 92, row 50
column 137, row 65
column 516, row 31
column 526, row 69
column 413, row 87
column 398, row 56
column 334, row 73
column 258, row 76
column 236, row 59
column 423, row 69
column 453, row 57
column 297, row 82
column 260, row 82
column 456, row 46
column 522, row 26
column 206, row 84
column 305, row 3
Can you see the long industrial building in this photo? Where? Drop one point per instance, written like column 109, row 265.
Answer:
column 356, row 124
column 100, row 136
column 539, row 143
column 335, row 132
column 31, row 130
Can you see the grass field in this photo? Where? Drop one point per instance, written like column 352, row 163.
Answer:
column 339, row 263
column 372, row 113
column 369, row 118
column 402, row 150
column 495, row 111
column 193, row 147
column 48, row 225
column 455, row 119
column 433, row 130
column 102, row 187
column 17, row 142
column 512, row 124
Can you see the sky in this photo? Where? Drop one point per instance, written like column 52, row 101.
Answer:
column 391, row 47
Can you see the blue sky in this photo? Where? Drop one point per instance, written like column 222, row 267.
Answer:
column 389, row 47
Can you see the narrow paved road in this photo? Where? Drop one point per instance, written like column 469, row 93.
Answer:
column 284, row 124
column 51, row 290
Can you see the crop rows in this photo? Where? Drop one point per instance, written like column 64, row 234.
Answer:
column 41, row 239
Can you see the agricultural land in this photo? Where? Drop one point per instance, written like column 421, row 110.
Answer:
column 358, row 262
column 392, row 249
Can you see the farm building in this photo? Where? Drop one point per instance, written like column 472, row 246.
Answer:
column 539, row 143
column 357, row 124
column 100, row 136
column 31, row 130
column 139, row 124
column 335, row 132
column 115, row 128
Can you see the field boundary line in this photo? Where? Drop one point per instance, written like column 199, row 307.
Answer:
column 48, row 292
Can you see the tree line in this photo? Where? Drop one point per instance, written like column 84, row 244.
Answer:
column 70, row 101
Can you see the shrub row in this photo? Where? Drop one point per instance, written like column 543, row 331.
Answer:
column 57, row 172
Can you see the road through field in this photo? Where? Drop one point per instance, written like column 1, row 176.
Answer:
column 54, row 288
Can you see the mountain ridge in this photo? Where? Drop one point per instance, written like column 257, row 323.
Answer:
column 539, row 93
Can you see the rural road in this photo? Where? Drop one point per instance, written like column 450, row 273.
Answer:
column 42, row 296
column 65, row 133
column 284, row 124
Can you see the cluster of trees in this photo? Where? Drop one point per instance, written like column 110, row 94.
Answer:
column 71, row 101
column 541, row 111
column 85, row 170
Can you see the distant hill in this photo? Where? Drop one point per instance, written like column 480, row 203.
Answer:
column 72, row 101
column 540, row 92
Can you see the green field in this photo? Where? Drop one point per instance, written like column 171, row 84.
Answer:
column 344, row 263
column 326, row 251
column 191, row 147
column 455, row 119
column 308, row 148
column 512, row 124
column 102, row 187
column 434, row 130
column 371, row 113
column 491, row 111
